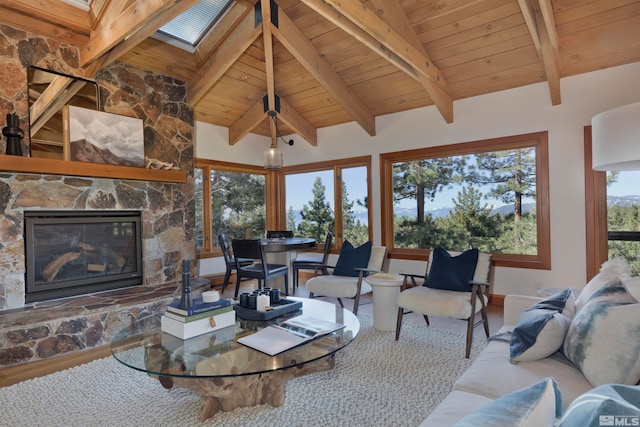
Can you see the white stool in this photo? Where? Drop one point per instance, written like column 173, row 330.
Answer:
column 386, row 288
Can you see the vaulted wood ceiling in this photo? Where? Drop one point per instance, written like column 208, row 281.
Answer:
column 323, row 62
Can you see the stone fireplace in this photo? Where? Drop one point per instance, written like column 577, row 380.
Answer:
column 167, row 209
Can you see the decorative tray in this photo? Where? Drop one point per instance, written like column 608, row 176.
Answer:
column 283, row 307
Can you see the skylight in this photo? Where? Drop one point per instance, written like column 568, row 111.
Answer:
column 193, row 24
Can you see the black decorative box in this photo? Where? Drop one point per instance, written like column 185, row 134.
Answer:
column 278, row 309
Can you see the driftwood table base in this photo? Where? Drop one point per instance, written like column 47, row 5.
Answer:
column 228, row 393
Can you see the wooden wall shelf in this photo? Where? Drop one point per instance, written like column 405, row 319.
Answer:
column 20, row 164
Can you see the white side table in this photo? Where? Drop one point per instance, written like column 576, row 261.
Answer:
column 386, row 288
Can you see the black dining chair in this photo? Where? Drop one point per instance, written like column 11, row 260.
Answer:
column 276, row 234
column 229, row 259
column 260, row 270
column 315, row 264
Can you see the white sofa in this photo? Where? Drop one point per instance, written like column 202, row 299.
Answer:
column 492, row 375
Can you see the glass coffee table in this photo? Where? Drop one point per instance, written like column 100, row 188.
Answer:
column 228, row 374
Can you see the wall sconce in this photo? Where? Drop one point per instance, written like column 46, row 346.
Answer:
column 273, row 156
column 615, row 139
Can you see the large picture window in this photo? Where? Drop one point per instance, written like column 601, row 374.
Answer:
column 491, row 195
column 230, row 199
column 329, row 197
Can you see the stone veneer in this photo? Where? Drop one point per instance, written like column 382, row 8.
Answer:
column 168, row 209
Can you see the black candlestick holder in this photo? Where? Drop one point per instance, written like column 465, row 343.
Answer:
column 14, row 135
column 186, row 301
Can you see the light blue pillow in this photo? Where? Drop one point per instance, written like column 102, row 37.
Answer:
column 537, row 405
column 607, row 405
column 541, row 328
column 351, row 258
column 602, row 340
column 452, row 273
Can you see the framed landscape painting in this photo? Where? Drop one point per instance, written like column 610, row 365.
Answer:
column 100, row 137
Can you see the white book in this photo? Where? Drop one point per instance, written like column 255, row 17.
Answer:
column 198, row 327
column 275, row 339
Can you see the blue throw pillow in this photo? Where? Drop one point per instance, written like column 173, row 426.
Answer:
column 537, row 405
column 541, row 328
column 607, row 405
column 452, row 273
column 351, row 258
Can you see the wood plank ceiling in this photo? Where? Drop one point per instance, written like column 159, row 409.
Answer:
column 324, row 62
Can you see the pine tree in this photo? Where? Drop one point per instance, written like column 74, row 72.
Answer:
column 317, row 218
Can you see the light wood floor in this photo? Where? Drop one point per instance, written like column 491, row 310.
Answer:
column 14, row 374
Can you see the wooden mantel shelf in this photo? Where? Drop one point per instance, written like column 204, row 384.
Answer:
column 20, row 164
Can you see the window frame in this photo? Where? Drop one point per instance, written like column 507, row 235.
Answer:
column 336, row 166
column 208, row 250
column 537, row 140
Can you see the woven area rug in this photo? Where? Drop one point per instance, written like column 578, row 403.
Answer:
column 377, row 382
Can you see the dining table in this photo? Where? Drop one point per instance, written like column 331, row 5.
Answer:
column 281, row 250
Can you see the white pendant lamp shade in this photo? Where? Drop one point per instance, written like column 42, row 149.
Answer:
column 272, row 159
column 615, row 136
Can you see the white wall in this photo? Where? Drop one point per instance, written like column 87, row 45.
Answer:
column 511, row 112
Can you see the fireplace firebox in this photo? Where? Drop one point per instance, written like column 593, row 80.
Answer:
column 71, row 253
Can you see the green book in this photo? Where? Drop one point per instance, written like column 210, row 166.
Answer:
column 198, row 316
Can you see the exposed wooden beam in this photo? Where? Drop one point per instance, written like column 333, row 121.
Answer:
column 220, row 31
column 305, row 52
column 36, row 25
column 247, row 122
column 223, row 58
column 539, row 18
column 58, row 12
column 299, row 124
column 104, row 12
column 392, row 13
column 134, row 24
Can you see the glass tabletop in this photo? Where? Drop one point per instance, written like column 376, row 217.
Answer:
column 143, row 346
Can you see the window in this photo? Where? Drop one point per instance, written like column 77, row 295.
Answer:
column 623, row 217
column 230, row 199
column 490, row 194
column 329, row 196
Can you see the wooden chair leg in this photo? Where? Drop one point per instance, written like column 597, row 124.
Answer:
column 399, row 322
column 470, row 324
column 426, row 319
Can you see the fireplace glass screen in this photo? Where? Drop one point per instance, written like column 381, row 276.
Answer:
column 77, row 252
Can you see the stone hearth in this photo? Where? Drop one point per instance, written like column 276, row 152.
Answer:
column 52, row 328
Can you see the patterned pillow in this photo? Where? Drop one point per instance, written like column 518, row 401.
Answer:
column 602, row 339
column 615, row 268
column 452, row 273
column 607, row 405
column 541, row 328
column 537, row 405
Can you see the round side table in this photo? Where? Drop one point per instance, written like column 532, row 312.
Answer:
column 386, row 288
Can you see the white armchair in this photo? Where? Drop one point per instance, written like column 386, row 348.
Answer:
column 430, row 301
column 347, row 286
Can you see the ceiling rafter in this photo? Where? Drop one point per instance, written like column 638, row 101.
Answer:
column 363, row 24
column 220, row 31
column 247, row 122
column 392, row 13
column 221, row 59
column 538, row 15
column 305, row 52
column 136, row 23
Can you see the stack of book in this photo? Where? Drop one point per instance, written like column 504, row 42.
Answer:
column 200, row 318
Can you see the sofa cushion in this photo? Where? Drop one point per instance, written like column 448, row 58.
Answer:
column 493, row 375
column 541, row 329
column 351, row 258
column 599, row 340
column 537, row 405
column 452, row 273
column 612, row 404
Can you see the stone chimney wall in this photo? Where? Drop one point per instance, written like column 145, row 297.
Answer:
column 168, row 210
